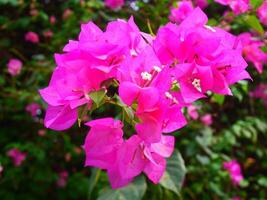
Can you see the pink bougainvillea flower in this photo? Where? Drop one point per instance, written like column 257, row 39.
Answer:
column 102, row 142
column 114, row 4
column 62, row 179
column 72, row 81
column 181, row 11
column 252, row 51
column 136, row 157
column 192, row 111
column 14, row 67
column 108, row 45
column 32, row 37
column 144, row 81
column 201, row 56
column 34, row 109
column 234, row 170
column 262, row 13
column 238, row 6
column 206, row 119
column 17, row 156
column 87, row 63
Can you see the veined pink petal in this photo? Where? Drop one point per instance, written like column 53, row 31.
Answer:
column 60, row 117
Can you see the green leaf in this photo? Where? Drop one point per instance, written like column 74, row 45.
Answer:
column 255, row 3
column 95, row 174
column 254, row 23
column 134, row 191
column 98, row 97
column 219, row 99
column 174, row 175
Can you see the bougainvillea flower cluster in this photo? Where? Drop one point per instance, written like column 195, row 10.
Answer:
column 17, row 156
column 155, row 76
column 252, row 50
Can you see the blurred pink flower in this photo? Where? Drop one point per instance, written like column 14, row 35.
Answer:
column 262, row 13
column 206, row 119
column 14, row 66
column 41, row 132
column 48, row 33
column 114, row 4
column 33, row 109
column 260, row 92
column 238, row 6
column 32, row 37
column 67, row 13
column 62, row 179
column 34, row 12
column 17, row 156
column 252, row 50
column 234, row 170
column 179, row 13
column 52, row 19
column 192, row 111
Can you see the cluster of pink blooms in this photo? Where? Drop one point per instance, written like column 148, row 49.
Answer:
column 252, row 50
column 17, row 156
column 156, row 78
column 192, row 111
column 234, row 170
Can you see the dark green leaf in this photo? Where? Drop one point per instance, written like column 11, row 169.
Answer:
column 134, row 191
column 97, row 96
column 175, row 173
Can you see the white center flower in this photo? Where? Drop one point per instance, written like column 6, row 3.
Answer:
column 157, row 68
column 146, row 76
column 168, row 95
column 196, row 83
